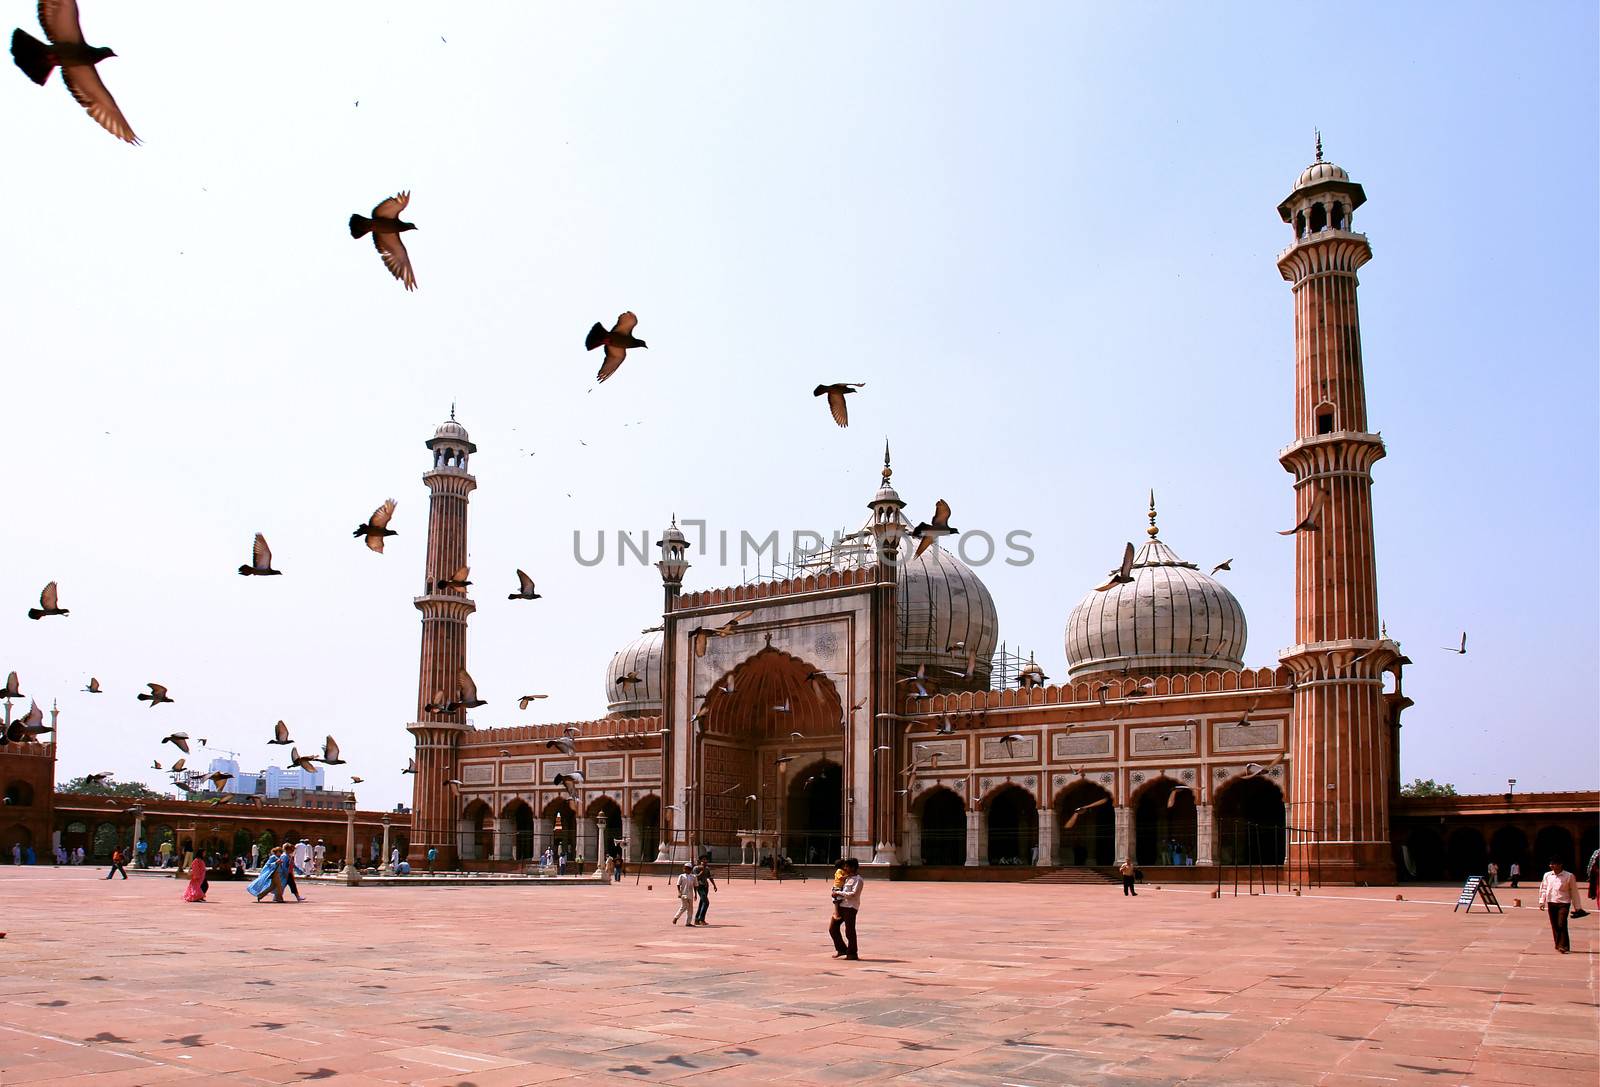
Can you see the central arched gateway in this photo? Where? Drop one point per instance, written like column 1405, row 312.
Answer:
column 815, row 817
column 1091, row 840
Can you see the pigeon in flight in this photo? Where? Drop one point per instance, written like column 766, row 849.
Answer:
column 1072, row 820
column 280, row 734
column 386, row 226
column 356, row 780
column 219, row 779
column 157, row 695
column 616, row 342
column 458, row 580
column 154, row 765
column 522, row 703
column 411, row 767
column 836, row 394
column 1225, row 564
column 11, row 689
column 1452, row 649
column 1255, row 769
column 304, row 762
column 524, row 588
column 180, row 740
column 76, row 58
column 48, row 604
column 1309, row 522
column 467, row 696
column 330, row 753
column 569, row 782
column 563, row 743
column 1008, row 740
column 97, row 779
column 1172, row 798
column 1123, row 574
column 377, row 526
column 928, row 531
column 630, row 680
column 260, row 564
column 94, row 686
column 178, row 767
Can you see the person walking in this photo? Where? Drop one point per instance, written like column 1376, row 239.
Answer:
column 16, row 852
column 685, row 895
column 196, row 890
column 164, row 850
column 116, row 864
column 139, row 852
column 269, row 880
column 319, row 856
column 286, row 868
column 1515, row 873
column 255, row 854
column 846, row 904
column 1558, row 893
column 1491, row 873
column 1592, row 870
column 1126, row 870
column 704, row 884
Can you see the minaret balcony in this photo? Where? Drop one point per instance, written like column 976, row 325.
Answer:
column 1341, row 452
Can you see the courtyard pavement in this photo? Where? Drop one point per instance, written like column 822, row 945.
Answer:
column 122, row 983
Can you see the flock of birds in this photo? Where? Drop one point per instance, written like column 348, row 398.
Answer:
column 66, row 49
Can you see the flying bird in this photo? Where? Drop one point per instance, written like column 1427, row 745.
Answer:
column 703, row 635
column 386, row 226
column 11, row 689
column 836, row 394
column 377, row 526
column 629, row 680
column 154, row 765
column 355, row 780
column 48, row 604
column 616, row 342
column 180, row 740
column 219, row 779
column 304, row 762
column 77, row 60
column 94, row 686
column 452, row 783
column 1123, row 574
column 411, row 767
column 524, row 588
column 178, row 767
column 1072, row 820
column 467, row 696
column 971, row 652
column 1225, row 564
column 569, row 782
column 458, row 580
column 330, row 753
column 97, row 779
column 260, row 564
column 157, row 695
column 1008, row 740
column 1309, row 522
column 1452, row 649
column 280, row 734
column 1255, row 769
column 522, row 703
column 562, row 744
column 1172, row 798
column 928, row 531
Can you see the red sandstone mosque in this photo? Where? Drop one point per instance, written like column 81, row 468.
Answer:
column 859, row 707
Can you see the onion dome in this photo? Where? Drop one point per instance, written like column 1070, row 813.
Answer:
column 452, row 435
column 1169, row 618
column 640, row 657
column 1322, row 176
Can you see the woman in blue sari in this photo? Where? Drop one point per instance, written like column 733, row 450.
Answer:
column 270, row 878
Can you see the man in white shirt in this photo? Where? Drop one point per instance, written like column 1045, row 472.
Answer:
column 1558, row 893
column 318, row 855
column 302, row 855
column 846, row 904
column 685, row 894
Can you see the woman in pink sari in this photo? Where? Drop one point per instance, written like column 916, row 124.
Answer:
column 196, row 891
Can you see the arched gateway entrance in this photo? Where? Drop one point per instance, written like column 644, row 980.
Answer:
column 767, row 756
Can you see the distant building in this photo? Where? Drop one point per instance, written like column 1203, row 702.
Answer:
column 269, row 782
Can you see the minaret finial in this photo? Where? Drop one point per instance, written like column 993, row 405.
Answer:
column 887, row 471
column 453, row 403
column 1152, row 530
column 1318, row 131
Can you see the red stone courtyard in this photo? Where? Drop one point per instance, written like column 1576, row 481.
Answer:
column 121, row 983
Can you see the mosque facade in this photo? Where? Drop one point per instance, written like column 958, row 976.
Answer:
column 857, row 706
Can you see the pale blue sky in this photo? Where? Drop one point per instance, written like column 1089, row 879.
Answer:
column 1044, row 235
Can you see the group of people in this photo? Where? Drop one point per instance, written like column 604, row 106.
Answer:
column 696, row 882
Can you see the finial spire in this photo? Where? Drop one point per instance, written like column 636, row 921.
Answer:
column 453, row 403
column 1152, row 530
column 1318, row 131
column 887, row 470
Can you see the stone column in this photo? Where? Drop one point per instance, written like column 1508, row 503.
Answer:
column 600, row 844
column 505, row 839
column 1205, row 833
column 142, row 859
column 913, row 839
column 352, row 873
column 1125, row 841
column 1047, row 838
column 542, row 831
column 974, row 838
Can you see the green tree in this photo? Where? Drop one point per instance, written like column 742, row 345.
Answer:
column 135, row 789
column 1428, row 787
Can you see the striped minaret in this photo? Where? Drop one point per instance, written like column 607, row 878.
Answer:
column 445, row 609
column 1340, row 739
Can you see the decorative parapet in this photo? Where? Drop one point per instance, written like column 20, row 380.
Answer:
column 1082, row 691
column 767, row 590
column 615, row 729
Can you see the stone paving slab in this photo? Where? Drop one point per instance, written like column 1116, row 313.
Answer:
column 959, row 984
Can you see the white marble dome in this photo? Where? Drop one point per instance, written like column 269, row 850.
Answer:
column 1320, row 171
column 1170, row 618
column 943, row 605
column 642, row 657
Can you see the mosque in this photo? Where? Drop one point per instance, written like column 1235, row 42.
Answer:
column 858, row 706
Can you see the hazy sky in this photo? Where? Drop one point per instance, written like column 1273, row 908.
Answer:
column 1044, row 235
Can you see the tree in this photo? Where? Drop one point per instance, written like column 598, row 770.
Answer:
column 134, row 789
column 1428, row 787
